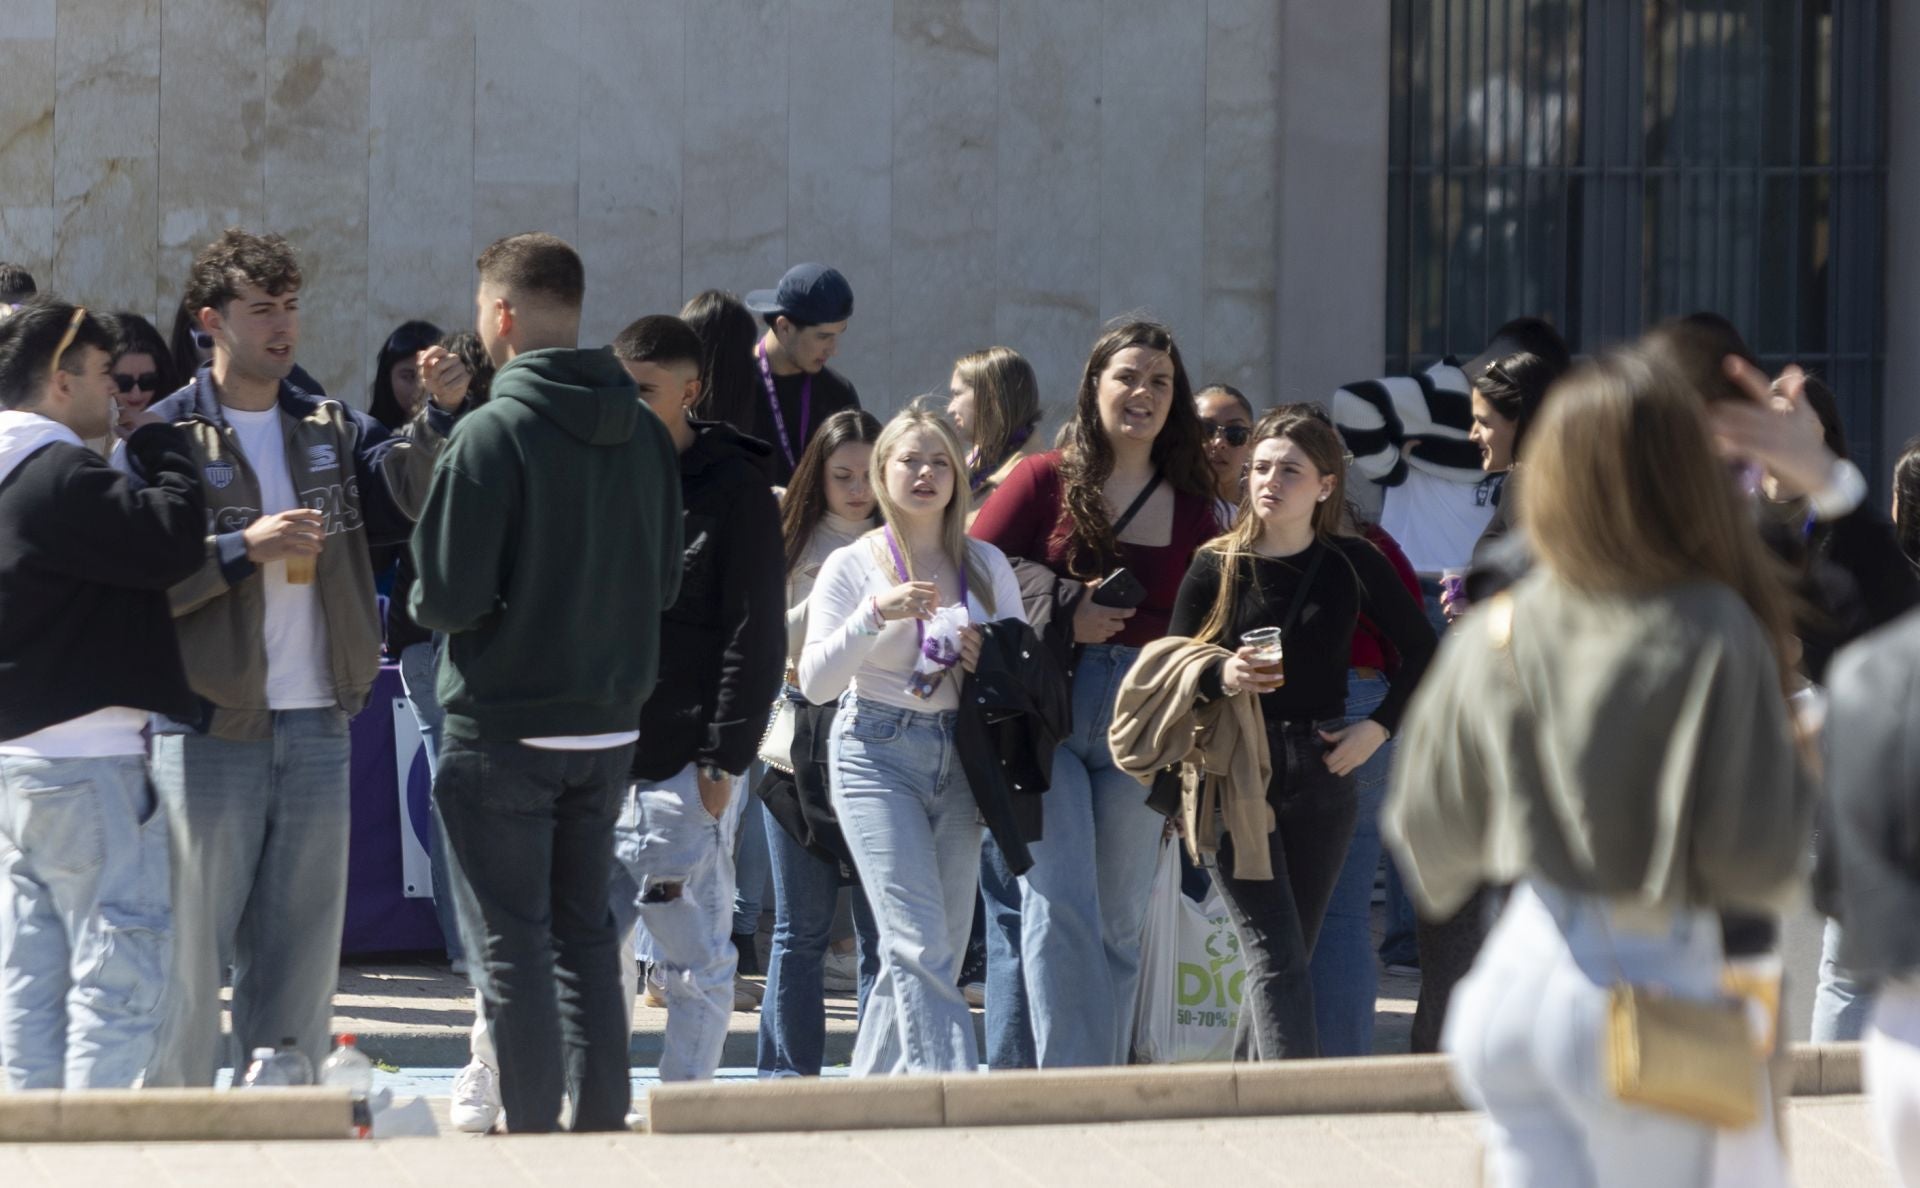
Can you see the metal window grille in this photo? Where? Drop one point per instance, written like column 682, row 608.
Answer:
column 1608, row 163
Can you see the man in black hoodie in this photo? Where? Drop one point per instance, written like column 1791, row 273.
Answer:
column 722, row 645
column 87, row 649
column 548, row 547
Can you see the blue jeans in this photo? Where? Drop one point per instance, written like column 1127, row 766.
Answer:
column 914, row 830
column 1009, row 1021
column 750, row 863
column 1346, row 980
column 419, row 666
column 673, row 872
column 531, row 836
column 1840, row 1004
column 84, row 923
column 1084, row 903
column 793, row 1015
column 1525, row 1033
column 259, row 850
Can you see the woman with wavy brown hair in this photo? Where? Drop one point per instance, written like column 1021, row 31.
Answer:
column 1611, row 735
column 1128, row 490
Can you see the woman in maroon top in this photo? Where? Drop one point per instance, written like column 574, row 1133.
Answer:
column 1129, row 489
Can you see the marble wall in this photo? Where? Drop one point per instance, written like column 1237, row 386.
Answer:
column 983, row 171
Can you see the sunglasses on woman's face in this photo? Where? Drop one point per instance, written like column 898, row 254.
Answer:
column 149, row 382
column 1236, row 435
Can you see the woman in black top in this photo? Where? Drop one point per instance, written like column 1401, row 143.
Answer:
column 1288, row 564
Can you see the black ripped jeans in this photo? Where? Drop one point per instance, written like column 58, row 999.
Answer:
column 1279, row 919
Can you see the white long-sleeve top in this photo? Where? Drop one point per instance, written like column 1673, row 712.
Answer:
column 831, row 534
column 837, row 656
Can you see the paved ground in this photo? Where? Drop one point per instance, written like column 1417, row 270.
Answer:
column 1831, row 1148
column 416, row 1015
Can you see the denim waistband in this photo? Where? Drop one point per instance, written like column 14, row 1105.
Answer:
column 868, row 708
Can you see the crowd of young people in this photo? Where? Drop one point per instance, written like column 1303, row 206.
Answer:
column 639, row 590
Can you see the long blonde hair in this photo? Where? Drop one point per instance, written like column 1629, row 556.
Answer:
column 1625, row 494
column 1234, row 549
column 953, row 523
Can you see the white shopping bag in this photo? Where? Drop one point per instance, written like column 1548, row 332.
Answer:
column 1191, row 973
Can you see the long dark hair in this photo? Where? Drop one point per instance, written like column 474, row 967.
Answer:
column 467, row 345
column 407, row 340
column 1515, row 385
column 806, row 499
column 134, row 335
column 1906, row 499
column 1087, row 455
column 727, row 334
column 186, row 355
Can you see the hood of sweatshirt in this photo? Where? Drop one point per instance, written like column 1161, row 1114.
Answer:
column 716, row 441
column 21, row 433
column 586, row 393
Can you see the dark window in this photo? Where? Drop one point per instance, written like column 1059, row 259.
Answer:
column 1608, row 163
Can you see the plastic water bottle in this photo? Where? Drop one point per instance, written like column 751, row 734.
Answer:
column 348, row 1068
column 279, row 1067
column 299, row 1068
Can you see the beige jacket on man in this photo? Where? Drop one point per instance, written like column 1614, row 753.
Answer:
column 1221, row 748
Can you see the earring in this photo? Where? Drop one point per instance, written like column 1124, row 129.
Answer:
column 1323, row 498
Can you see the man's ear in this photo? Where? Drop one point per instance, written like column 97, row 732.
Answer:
column 502, row 317
column 208, row 319
column 690, row 397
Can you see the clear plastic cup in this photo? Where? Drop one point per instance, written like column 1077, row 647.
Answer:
column 1267, row 650
column 300, row 571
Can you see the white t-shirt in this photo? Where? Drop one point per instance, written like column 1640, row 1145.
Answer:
column 103, row 734
column 838, row 656
column 1436, row 523
column 299, row 669
column 583, row 742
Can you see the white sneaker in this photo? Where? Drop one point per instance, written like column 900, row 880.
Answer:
column 975, row 993
column 747, row 987
column 744, row 1000
column 653, row 990
column 476, row 1100
column 841, row 971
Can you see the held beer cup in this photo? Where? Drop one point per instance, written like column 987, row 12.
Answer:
column 300, row 570
column 1267, row 652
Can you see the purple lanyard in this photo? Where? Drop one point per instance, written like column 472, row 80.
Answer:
column 773, row 401
column 900, row 563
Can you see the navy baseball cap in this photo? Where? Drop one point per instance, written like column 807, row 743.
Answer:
column 811, row 294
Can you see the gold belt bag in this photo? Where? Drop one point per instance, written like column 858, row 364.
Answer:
column 1683, row 1056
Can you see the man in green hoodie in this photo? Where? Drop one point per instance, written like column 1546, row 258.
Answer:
column 548, row 548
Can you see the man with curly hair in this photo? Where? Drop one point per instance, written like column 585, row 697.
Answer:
column 281, row 641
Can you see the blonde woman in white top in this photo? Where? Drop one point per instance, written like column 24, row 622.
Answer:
column 828, row 505
column 878, row 638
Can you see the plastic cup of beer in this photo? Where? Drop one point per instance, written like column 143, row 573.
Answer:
column 1267, row 652
column 300, row 570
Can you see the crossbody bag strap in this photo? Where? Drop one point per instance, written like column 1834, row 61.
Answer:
column 1306, row 584
column 1139, row 501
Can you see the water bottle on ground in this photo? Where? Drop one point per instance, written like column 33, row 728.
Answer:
column 348, row 1068
column 299, row 1068
column 280, row 1067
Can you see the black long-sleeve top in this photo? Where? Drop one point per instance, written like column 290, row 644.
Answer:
column 1353, row 577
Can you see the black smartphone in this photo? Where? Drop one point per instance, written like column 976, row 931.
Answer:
column 1119, row 590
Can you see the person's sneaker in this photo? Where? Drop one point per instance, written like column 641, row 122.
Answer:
column 840, row 971
column 654, row 991
column 752, row 987
column 476, row 1100
column 459, row 967
column 975, row 993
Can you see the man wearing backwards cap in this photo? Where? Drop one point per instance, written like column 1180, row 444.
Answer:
column 805, row 317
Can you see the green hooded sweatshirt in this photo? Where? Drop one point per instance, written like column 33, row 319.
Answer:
column 549, row 545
